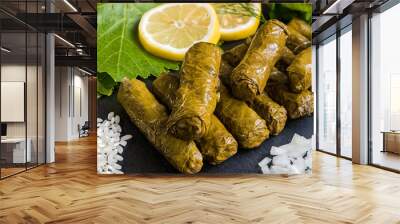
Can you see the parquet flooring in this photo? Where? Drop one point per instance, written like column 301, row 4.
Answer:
column 70, row 191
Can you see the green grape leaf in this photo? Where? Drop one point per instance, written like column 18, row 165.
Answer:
column 119, row 52
column 286, row 11
column 105, row 84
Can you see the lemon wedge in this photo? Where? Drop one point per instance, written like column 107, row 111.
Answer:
column 237, row 20
column 169, row 30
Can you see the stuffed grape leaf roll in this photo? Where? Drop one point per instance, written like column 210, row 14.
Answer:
column 302, row 27
column 225, row 72
column 300, row 71
column 297, row 104
column 286, row 59
column 197, row 95
column 217, row 145
column 248, row 128
column 250, row 77
column 297, row 42
column 150, row 117
column 274, row 114
column 234, row 55
column 277, row 77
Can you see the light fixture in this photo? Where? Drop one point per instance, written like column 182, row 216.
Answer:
column 337, row 7
column 65, row 41
column 328, row 10
column 5, row 50
column 70, row 5
column 84, row 71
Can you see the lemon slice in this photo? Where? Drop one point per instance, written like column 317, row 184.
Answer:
column 237, row 20
column 169, row 30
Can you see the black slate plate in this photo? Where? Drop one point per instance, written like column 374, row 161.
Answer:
column 140, row 157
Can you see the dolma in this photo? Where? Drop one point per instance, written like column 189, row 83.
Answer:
column 296, row 104
column 225, row 72
column 150, row 117
column 286, row 59
column 217, row 145
column 248, row 128
column 300, row 71
column 249, row 78
column 197, row 95
column 274, row 114
column 297, row 42
column 302, row 27
column 277, row 77
column 234, row 55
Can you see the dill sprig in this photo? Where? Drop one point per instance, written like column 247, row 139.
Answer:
column 241, row 9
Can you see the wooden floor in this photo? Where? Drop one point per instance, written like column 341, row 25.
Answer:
column 70, row 191
column 5, row 172
column 387, row 159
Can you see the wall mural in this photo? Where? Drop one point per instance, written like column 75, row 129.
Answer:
column 204, row 88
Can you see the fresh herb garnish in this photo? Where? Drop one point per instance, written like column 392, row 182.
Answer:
column 240, row 9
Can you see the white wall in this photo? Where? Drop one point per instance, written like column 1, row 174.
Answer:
column 33, row 127
column 12, row 73
column 70, row 83
column 80, row 100
column 61, row 103
column 16, row 73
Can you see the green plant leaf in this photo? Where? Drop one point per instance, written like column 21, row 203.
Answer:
column 105, row 84
column 119, row 52
column 286, row 11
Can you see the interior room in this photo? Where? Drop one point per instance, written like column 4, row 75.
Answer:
column 384, row 89
column 334, row 110
column 49, row 122
column 22, row 99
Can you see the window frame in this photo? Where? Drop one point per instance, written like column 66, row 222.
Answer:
column 338, row 34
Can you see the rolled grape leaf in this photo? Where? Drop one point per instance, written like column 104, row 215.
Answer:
column 297, row 42
column 302, row 27
column 286, row 59
column 297, row 104
column 250, row 77
column 274, row 114
column 225, row 72
column 217, row 145
column 150, row 117
column 277, row 77
column 248, row 128
column 197, row 95
column 234, row 55
column 300, row 71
